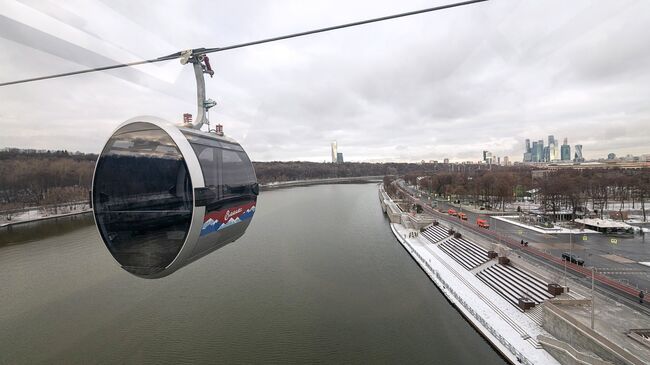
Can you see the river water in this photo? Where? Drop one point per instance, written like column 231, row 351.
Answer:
column 317, row 278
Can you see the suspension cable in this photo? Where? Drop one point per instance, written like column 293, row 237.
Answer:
column 203, row 51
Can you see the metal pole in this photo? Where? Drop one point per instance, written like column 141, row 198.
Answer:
column 592, row 296
column 565, row 283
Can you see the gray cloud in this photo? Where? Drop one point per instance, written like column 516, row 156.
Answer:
column 448, row 84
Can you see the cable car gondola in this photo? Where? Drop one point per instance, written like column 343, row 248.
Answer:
column 165, row 195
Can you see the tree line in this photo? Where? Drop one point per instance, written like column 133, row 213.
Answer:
column 35, row 177
column 572, row 190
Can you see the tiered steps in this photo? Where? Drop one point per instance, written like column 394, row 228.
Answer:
column 512, row 283
column 466, row 253
column 435, row 234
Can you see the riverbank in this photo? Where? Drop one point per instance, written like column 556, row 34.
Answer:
column 511, row 332
column 518, row 305
column 34, row 214
column 339, row 180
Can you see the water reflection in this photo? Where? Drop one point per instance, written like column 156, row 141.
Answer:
column 34, row 231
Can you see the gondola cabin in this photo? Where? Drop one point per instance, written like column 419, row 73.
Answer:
column 164, row 196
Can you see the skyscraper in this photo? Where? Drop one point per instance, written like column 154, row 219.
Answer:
column 565, row 151
column 547, row 154
column 334, row 152
column 533, row 153
column 553, row 150
column 578, row 153
column 487, row 157
column 528, row 156
column 339, row 157
column 540, row 151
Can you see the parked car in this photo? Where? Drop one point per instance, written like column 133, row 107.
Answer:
column 573, row 259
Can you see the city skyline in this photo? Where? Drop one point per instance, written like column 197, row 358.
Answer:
column 553, row 151
column 475, row 95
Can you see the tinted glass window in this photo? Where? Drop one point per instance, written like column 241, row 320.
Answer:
column 238, row 175
column 142, row 197
column 228, row 172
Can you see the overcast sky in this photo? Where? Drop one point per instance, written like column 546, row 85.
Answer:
column 447, row 84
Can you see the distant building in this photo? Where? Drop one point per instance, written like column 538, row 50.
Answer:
column 547, row 154
column 551, row 155
column 565, row 151
column 334, row 156
column 528, row 155
column 533, row 153
column 611, row 156
column 506, row 161
column 487, row 157
column 540, row 150
column 446, row 160
column 578, row 154
column 339, row 157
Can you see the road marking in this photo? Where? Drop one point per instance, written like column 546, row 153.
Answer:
column 614, row 241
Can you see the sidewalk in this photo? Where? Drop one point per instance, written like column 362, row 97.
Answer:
column 559, row 230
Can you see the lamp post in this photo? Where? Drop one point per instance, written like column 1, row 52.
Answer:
column 593, row 271
column 565, row 260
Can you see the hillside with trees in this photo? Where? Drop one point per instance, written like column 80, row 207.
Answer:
column 31, row 178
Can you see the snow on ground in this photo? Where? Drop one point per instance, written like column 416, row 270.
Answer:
column 35, row 214
column 507, row 328
column 561, row 230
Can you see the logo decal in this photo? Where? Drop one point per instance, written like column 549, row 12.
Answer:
column 217, row 220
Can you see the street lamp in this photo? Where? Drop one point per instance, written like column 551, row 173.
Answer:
column 593, row 274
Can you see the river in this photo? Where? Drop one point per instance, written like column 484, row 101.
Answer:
column 317, row 278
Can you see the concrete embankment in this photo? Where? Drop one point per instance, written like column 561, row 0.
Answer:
column 34, row 214
column 510, row 331
column 337, row 180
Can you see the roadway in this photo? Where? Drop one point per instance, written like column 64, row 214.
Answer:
column 624, row 277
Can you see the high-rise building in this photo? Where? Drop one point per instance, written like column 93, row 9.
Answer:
column 446, row 160
column 565, row 151
column 547, row 154
column 540, row 151
column 528, row 155
column 578, row 153
column 334, row 152
column 553, row 150
column 506, row 161
column 487, row 157
column 339, row 157
column 533, row 153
